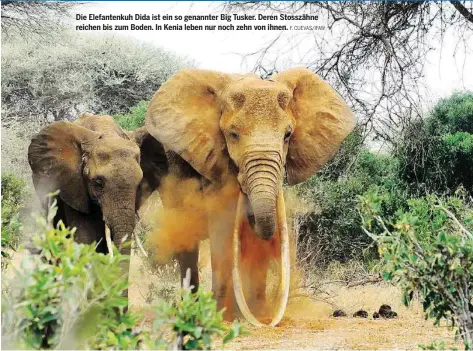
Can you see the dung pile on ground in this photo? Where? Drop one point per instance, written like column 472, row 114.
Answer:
column 339, row 313
column 360, row 314
column 385, row 311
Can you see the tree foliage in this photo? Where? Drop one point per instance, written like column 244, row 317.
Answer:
column 436, row 154
column 332, row 230
column 25, row 18
column 78, row 73
column 373, row 53
column 14, row 196
column 428, row 249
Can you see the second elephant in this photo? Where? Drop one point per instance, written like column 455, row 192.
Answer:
column 103, row 173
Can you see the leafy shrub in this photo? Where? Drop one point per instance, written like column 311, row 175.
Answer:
column 195, row 320
column 63, row 286
column 428, row 249
column 69, row 296
column 436, row 154
column 451, row 115
column 13, row 200
column 60, row 79
column 332, row 231
column 135, row 118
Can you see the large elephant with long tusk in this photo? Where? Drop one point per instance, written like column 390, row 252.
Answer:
column 229, row 128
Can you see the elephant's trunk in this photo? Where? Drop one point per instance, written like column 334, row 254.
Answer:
column 122, row 226
column 120, row 220
column 262, row 180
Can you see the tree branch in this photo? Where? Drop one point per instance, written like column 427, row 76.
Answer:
column 463, row 10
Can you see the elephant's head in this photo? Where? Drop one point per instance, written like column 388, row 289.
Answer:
column 257, row 130
column 218, row 122
column 95, row 163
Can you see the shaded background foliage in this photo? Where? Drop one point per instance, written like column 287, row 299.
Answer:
column 77, row 73
column 433, row 155
column 436, row 153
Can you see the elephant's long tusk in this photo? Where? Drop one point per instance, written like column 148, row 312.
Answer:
column 140, row 246
column 108, row 239
column 285, row 263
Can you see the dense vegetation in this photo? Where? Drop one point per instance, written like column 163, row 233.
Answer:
column 68, row 296
column 433, row 155
column 428, row 249
column 79, row 73
column 14, row 197
column 436, row 153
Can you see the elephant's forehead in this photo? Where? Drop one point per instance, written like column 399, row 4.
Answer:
column 101, row 123
column 251, row 87
column 115, row 147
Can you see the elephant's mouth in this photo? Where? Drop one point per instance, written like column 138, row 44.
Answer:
column 285, row 262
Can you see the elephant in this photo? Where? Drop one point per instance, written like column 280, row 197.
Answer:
column 103, row 175
column 224, row 128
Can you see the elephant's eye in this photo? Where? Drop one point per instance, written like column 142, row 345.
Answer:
column 287, row 135
column 234, row 135
column 98, row 182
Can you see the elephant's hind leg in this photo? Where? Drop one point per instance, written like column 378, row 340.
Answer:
column 189, row 260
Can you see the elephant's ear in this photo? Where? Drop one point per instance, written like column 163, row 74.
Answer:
column 153, row 163
column 55, row 156
column 323, row 121
column 184, row 116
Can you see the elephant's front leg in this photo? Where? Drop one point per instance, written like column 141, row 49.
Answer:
column 222, row 284
column 221, row 259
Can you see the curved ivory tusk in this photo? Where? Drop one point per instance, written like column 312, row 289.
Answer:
column 285, row 264
column 108, row 239
column 140, row 246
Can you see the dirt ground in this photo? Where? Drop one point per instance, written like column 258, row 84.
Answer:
column 308, row 323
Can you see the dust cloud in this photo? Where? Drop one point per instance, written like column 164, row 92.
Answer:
column 183, row 218
column 182, row 222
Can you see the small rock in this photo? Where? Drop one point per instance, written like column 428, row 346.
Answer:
column 360, row 314
column 339, row 313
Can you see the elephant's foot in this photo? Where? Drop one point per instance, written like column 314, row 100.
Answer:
column 226, row 300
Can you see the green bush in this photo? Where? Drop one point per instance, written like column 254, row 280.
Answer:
column 70, row 297
column 135, row 118
column 195, row 321
column 428, row 249
column 66, row 284
column 13, row 200
column 333, row 229
column 451, row 115
column 436, row 154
